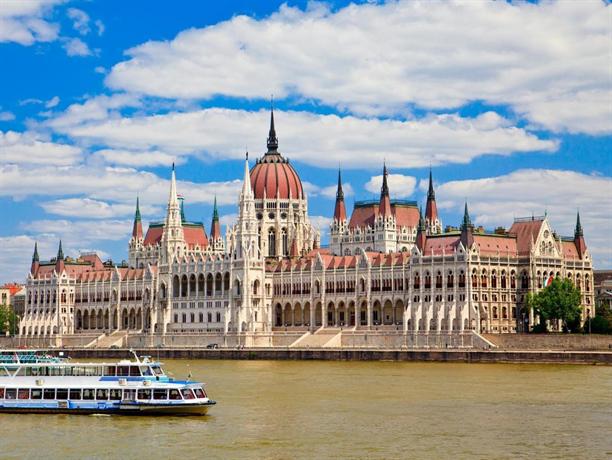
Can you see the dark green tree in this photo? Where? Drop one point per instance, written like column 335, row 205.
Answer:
column 8, row 320
column 560, row 300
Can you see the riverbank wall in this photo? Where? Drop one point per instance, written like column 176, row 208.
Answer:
column 464, row 356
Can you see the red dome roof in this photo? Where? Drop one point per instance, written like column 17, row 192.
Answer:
column 274, row 177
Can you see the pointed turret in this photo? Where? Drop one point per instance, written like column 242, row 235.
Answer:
column 467, row 229
column 137, row 228
column 215, row 228
column 173, row 239
column 579, row 237
column 431, row 210
column 421, row 237
column 272, row 139
column 384, row 208
column 59, row 262
column 173, row 198
column 340, row 209
column 35, row 260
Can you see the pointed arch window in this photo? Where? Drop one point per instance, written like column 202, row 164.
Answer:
column 271, row 242
column 285, row 242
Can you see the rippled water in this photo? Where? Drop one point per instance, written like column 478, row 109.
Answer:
column 277, row 409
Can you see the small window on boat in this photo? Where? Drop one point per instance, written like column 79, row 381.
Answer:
column 174, row 394
column 160, row 394
column 134, row 371
column 157, row 370
column 110, row 370
column 1, row 393
column 115, row 394
column 144, row 394
column 3, row 372
column 187, row 393
column 145, row 370
column 11, row 393
column 129, row 395
column 123, row 371
column 102, row 394
column 89, row 394
column 36, row 393
column 49, row 393
column 75, row 393
column 199, row 393
column 23, row 393
column 62, row 393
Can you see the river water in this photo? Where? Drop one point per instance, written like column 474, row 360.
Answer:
column 280, row 409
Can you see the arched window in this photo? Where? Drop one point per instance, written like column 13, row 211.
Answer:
column 512, row 279
column 226, row 282
column 503, row 279
column 271, row 242
column 162, row 289
column 483, row 279
column 474, row 279
column 192, row 285
column 184, row 286
column 427, row 280
column 494, row 279
column 218, row 283
column 176, row 289
column 450, row 279
column 461, row 279
column 438, row 280
column 209, row 285
column 524, row 280
column 285, row 242
column 417, row 281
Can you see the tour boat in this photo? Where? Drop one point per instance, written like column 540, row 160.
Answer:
column 138, row 387
column 22, row 356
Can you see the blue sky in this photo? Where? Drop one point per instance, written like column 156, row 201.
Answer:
column 511, row 104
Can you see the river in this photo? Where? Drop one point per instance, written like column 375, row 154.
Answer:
column 303, row 409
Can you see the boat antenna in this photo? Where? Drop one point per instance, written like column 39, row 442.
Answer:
column 135, row 355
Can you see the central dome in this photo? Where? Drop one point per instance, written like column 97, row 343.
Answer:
column 273, row 176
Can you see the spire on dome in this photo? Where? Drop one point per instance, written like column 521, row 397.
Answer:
column 384, row 208
column 272, row 139
column 60, row 252
column 35, row 257
column 578, row 231
column 340, row 209
column 137, row 228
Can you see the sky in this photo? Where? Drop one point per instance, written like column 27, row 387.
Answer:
column 509, row 103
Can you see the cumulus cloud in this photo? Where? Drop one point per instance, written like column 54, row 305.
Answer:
column 96, row 209
column 7, row 116
column 497, row 200
column 319, row 140
column 76, row 47
column 328, row 191
column 27, row 148
column 137, row 158
column 108, row 184
column 24, row 22
column 400, row 186
column 52, row 102
column 80, row 20
column 548, row 61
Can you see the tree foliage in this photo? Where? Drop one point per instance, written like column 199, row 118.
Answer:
column 560, row 300
column 8, row 320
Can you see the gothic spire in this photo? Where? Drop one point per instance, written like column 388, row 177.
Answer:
column 272, row 139
column 578, row 231
column 215, row 211
column 384, row 208
column 35, row 257
column 137, row 228
column 340, row 209
column 60, row 252
column 421, row 237
column 384, row 191
column 215, row 228
column 183, row 220
column 339, row 192
column 421, row 226
column 467, row 223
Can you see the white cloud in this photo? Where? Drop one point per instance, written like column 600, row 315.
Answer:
column 321, row 223
column 101, row 70
column 27, row 148
column 80, row 20
column 52, row 102
column 137, row 158
column 7, row 116
column 319, row 140
column 108, row 184
column 497, row 200
column 100, row 28
column 23, row 21
column 548, row 61
column 400, row 186
column 96, row 209
column 80, row 233
column 328, row 191
column 76, row 47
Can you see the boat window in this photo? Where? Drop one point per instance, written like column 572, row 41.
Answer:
column 115, row 394
column 160, row 394
column 145, row 370
column 36, row 393
column 11, row 393
column 49, row 393
column 75, row 393
column 174, row 394
column 110, row 370
column 129, row 395
column 199, row 393
column 144, row 394
column 23, row 393
column 102, row 394
column 62, row 393
column 187, row 393
column 123, row 371
column 1, row 393
column 89, row 394
column 134, row 371
column 157, row 370
column 3, row 372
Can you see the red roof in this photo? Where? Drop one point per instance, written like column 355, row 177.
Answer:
column 525, row 231
column 154, row 235
column 274, row 177
column 494, row 245
column 13, row 288
column 194, row 235
column 569, row 250
column 441, row 244
column 365, row 215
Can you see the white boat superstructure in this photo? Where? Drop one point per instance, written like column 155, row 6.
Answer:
column 138, row 386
